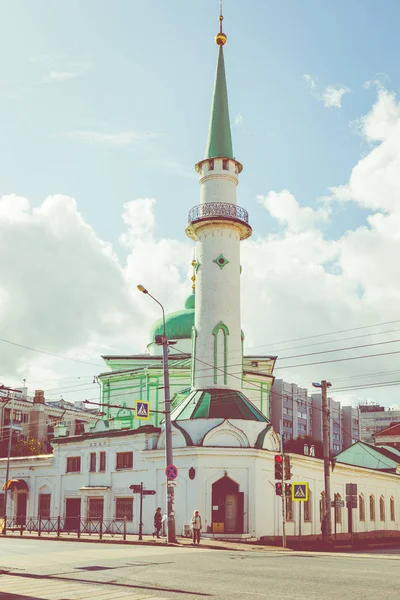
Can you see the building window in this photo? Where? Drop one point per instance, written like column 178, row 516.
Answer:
column 24, row 418
column 95, row 509
column 73, row 464
column 211, row 165
column 92, row 468
column 361, row 507
column 44, row 506
column 2, row 509
column 382, row 508
column 338, row 509
column 372, row 507
column 322, row 507
column 307, row 508
column 7, row 416
column 124, row 508
column 102, row 461
column 392, row 511
column 289, row 508
column 225, row 164
column 79, row 427
column 17, row 416
column 124, row 460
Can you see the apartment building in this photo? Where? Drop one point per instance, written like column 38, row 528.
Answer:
column 374, row 418
column 301, row 414
column 33, row 417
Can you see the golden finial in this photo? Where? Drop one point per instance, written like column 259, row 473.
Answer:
column 220, row 38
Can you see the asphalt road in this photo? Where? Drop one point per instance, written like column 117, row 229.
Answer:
column 50, row 570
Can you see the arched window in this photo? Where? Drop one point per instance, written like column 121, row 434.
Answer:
column 361, row 507
column 392, row 510
column 338, row 508
column 382, row 508
column 307, row 508
column 372, row 507
column 220, row 332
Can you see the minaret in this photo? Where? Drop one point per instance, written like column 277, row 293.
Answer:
column 218, row 225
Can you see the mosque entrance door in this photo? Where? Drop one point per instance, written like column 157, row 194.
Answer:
column 227, row 506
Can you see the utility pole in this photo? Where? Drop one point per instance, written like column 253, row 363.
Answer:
column 283, row 488
column 163, row 341
column 10, row 432
column 327, row 463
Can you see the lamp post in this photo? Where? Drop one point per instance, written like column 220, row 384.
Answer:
column 327, row 474
column 162, row 340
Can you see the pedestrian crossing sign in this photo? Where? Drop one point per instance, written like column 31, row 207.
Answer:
column 300, row 491
column 142, row 410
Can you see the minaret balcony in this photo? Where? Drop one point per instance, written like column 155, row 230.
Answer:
column 217, row 212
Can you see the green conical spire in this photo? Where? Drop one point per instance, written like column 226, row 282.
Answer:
column 219, row 141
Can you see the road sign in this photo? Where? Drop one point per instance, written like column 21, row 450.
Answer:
column 135, row 488
column 300, row 491
column 142, row 410
column 148, row 492
column 351, row 489
column 171, row 472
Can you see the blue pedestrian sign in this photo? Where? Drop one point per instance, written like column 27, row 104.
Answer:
column 171, row 472
column 142, row 410
column 300, row 491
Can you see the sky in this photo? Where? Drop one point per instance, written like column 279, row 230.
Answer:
column 104, row 110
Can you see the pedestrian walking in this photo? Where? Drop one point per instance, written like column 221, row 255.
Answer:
column 157, row 522
column 196, row 527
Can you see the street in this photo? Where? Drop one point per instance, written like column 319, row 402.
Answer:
column 50, row 570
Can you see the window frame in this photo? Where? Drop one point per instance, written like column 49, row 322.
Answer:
column 69, row 462
column 307, row 510
column 392, row 509
column 382, row 509
column 103, row 462
column 125, row 465
column 372, row 508
column 47, row 513
column 99, row 515
column 361, row 508
column 92, row 462
column 121, row 509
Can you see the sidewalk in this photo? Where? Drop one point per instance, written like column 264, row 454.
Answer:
column 148, row 540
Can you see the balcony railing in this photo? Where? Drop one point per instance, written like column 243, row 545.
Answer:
column 218, row 210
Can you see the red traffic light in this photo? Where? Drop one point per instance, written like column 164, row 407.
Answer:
column 278, row 458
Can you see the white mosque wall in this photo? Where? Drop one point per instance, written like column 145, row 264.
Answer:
column 251, row 469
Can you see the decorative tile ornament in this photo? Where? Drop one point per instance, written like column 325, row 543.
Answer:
column 221, row 261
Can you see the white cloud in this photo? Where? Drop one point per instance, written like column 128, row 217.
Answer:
column 332, row 96
column 118, row 139
column 60, row 68
column 238, row 120
column 310, row 81
column 284, row 207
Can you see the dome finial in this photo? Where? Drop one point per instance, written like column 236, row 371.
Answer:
column 220, row 38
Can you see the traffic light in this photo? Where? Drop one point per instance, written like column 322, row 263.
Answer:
column 278, row 467
column 278, row 488
column 288, row 489
column 287, row 466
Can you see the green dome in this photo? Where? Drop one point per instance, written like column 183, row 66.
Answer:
column 179, row 324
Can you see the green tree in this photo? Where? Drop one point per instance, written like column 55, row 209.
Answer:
column 30, row 447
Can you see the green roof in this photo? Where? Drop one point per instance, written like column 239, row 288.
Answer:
column 178, row 324
column 219, row 143
column 217, row 403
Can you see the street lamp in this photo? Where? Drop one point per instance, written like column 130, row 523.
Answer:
column 323, row 385
column 162, row 340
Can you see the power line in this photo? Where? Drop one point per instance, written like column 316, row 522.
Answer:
column 340, row 349
column 49, row 353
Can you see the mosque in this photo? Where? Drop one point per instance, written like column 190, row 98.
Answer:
column 223, row 441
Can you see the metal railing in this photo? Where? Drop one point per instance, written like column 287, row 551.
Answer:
column 218, row 209
column 68, row 525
